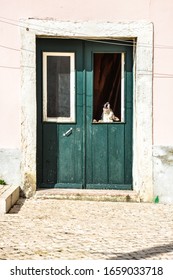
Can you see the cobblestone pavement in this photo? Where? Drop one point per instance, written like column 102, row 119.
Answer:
column 67, row 229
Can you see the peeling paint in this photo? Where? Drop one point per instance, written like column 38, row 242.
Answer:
column 166, row 155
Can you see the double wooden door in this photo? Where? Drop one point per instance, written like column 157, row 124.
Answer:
column 84, row 114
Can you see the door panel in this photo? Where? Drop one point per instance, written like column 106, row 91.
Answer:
column 108, row 145
column 59, row 153
column 86, row 154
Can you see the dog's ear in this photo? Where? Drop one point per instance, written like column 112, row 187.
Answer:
column 106, row 105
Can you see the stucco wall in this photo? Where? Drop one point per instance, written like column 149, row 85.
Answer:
column 10, row 166
column 163, row 173
column 157, row 11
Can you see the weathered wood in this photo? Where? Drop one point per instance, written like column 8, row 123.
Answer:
column 93, row 155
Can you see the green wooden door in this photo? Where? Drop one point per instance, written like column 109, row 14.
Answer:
column 109, row 145
column 60, row 127
column 76, row 147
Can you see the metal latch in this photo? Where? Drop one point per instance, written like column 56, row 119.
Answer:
column 68, row 132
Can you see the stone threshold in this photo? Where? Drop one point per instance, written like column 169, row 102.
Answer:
column 91, row 195
column 8, row 197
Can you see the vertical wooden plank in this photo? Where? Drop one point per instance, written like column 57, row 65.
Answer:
column 88, row 147
column 99, row 154
column 129, row 118
column 66, row 154
column 88, row 117
column 116, row 153
column 49, row 153
column 128, row 147
column 78, row 161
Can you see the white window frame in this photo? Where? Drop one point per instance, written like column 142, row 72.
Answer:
column 122, row 88
column 122, row 85
column 72, row 88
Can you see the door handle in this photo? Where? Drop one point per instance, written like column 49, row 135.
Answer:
column 68, row 132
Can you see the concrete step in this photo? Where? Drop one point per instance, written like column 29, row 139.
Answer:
column 8, row 197
column 93, row 195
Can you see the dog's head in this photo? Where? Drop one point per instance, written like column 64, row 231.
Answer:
column 106, row 105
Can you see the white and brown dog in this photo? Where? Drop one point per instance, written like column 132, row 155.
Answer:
column 108, row 114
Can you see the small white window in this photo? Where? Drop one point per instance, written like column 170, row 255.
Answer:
column 58, row 87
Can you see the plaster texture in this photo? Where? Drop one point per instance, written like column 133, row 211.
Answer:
column 163, row 173
column 10, row 166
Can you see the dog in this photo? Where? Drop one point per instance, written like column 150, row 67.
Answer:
column 108, row 114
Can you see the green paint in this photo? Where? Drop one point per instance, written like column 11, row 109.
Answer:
column 93, row 155
column 156, row 199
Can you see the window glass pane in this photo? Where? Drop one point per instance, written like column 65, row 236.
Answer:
column 107, row 87
column 58, row 86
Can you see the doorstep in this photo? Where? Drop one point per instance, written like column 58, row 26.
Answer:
column 8, row 197
column 92, row 195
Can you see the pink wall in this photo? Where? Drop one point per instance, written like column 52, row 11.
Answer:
column 158, row 11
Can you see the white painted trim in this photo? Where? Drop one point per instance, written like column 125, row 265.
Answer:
column 72, row 88
column 142, row 31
